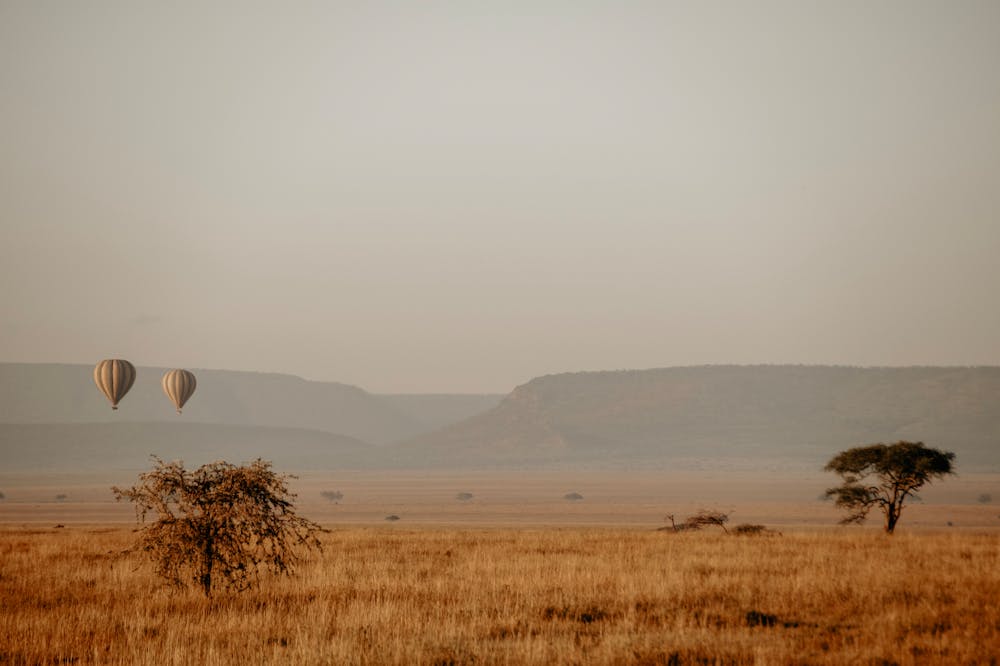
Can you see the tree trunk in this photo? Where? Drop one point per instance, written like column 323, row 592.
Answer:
column 891, row 516
column 208, row 557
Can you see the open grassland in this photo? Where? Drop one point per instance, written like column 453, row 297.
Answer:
column 527, row 498
column 536, row 596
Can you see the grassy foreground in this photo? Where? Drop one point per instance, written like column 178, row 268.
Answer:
column 451, row 596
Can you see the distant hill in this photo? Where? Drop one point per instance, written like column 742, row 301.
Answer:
column 107, row 447
column 753, row 413
column 58, row 393
column 52, row 417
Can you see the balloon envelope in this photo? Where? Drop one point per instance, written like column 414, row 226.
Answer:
column 178, row 385
column 114, row 376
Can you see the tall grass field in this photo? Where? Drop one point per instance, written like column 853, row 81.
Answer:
column 441, row 595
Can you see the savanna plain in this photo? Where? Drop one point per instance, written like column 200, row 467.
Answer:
column 600, row 585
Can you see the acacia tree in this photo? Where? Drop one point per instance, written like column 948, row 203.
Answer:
column 884, row 476
column 701, row 519
column 218, row 522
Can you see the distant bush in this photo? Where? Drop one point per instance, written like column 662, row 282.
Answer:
column 573, row 497
column 61, row 498
column 2, row 496
column 748, row 529
column 985, row 498
column 392, row 518
column 463, row 496
column 699, row 520
column 332, row 495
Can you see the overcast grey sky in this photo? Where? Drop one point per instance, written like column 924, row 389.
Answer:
column 459, row 196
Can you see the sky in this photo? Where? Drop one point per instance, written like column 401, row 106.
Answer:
column 460, row 196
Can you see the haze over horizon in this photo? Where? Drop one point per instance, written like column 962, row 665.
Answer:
column 448, row 198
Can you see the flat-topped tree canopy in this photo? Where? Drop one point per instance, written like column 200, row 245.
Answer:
column 900, row 469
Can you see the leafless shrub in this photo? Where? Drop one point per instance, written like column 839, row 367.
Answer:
column 699, row 520
column 573, row 497
column 61, row 497
column 677, row 527
column 218, row 522
column 392, row 518
column 985, row 498
column 463, row 496
column 332, row 495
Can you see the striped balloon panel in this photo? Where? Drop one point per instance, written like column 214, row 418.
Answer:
column 178, row 385
column 114, row 377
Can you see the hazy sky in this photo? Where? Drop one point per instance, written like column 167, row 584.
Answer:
column 435, row 197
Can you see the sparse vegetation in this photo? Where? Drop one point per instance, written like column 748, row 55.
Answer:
column 61, row 497
column 899, row 470
column 703, row 518
column 332, row 495
column 464, row 497
column 573, row 497
column 2, row 496
column 392, row 518
column 985, row 498
column 518, row 596
column 219, row 522
column 749, row 529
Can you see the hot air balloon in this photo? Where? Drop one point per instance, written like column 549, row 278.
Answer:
column 178, row 385
column 114, row 376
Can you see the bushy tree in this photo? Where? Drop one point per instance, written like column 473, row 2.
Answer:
column 884, row 476
column 219, row 523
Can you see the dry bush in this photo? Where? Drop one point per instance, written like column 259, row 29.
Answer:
column 703, row 518
column 218, row 522
column 748, row 529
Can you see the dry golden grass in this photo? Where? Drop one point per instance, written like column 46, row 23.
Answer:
column 439, row 595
